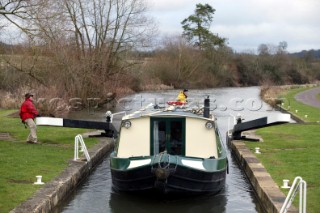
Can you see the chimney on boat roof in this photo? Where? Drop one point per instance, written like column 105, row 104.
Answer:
column 206, row 111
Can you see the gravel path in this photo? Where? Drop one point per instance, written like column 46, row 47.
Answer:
column 309, row 97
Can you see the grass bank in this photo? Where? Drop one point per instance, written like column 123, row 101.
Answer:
column 21, row 162
column 294, row 149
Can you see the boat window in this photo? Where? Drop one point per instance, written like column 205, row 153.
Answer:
column 168, row 135
column 159, row 135
column 175, row 147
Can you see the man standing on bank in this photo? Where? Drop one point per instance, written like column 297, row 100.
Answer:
column 28, row 113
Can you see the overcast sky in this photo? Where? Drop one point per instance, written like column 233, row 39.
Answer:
column 248, row 23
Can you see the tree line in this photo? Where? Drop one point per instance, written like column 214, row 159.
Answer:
column 79, row 48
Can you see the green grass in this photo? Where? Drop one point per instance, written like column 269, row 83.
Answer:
column 21, row 162
column 318, row 96
column 313, row 113
column 293, row 150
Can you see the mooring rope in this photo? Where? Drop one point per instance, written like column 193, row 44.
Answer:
column 160, row 158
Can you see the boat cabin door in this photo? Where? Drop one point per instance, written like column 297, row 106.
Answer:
column 168, row 134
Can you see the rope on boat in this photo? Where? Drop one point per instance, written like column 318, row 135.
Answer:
column 175, row 168
column 163, row 172
column 160, row 158
column 198, row 111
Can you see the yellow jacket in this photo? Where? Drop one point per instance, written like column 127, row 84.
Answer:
column 182, row 97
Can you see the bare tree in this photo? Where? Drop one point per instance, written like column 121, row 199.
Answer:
column 107, row 28
column 88, row 42
column 20, row 12
column 103, row 33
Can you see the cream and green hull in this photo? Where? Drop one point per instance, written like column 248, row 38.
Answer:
column 171, row 174
column 169, row 152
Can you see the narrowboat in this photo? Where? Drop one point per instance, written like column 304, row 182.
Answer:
column 173, row 149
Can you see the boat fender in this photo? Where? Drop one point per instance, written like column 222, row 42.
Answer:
column 161, row 173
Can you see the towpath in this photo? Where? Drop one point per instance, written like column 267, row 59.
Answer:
column 309, row 97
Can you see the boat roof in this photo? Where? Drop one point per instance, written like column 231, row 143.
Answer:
column 169, row 111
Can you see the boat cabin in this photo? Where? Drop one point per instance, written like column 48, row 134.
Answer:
column 178, row 134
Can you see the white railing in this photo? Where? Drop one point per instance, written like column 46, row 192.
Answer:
column 79, row 140
column 298, row 183
column 112, row 115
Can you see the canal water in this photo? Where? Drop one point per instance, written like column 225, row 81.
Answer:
column 97, row 195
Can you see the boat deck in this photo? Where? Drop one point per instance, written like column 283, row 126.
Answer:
column 181, row 111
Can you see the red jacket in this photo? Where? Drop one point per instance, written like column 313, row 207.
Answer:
column 28, row 110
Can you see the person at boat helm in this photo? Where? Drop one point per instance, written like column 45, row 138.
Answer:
column 183, row 95
column 28, row 113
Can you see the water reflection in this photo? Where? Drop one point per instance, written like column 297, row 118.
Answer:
column 120, row 203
